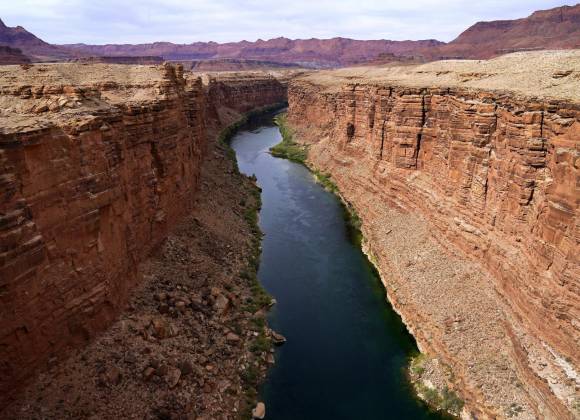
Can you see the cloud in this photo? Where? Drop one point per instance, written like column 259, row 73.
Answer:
column 137, row 21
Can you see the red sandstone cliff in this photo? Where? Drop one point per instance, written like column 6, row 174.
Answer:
column 97, row 164
column 465, row 176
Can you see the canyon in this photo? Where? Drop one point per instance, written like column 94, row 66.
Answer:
column 100, row 165
column 312, row 53
column 465, row 176
column 128, row 237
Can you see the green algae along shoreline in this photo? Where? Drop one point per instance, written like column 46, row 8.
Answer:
column 443, row 400
column 253, row 376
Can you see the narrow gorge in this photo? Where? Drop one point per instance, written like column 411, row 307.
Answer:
column 129, row 239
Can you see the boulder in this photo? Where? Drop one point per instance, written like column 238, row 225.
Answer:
column 172, row 376
column 221, row 304
column 260, row 411
column 278, row 339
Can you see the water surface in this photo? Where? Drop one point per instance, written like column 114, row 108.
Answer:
column 347, row 349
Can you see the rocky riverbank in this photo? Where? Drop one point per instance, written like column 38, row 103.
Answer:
column 462, row 174
column 121, row 173
column 193, row 342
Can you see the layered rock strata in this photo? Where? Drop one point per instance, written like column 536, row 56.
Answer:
column 231, row 93
column 467, row 184
column 183, row 348
column 98, row 164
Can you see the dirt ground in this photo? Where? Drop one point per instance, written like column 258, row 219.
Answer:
column 540, row 74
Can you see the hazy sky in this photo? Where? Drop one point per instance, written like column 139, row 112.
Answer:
column 185, row 21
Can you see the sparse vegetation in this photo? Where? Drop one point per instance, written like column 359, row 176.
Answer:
column 576, row 405
column 288, row 148
column 513, row 410
column 250, row 376
column 416, row 364
column 446, row 400
column 450, row 401
column 261, row 344
column 429, row 395
column 227, row 133
column 259, row 298
column 325, row 180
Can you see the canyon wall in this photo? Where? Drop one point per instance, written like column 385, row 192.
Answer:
column 495, row 174
column 230, row 94
column 98, row 163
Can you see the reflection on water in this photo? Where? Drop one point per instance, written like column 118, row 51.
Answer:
column 346, row 350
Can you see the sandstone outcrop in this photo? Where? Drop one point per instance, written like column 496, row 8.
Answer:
column 98, row 164
column 465, row 175
column 229, row 93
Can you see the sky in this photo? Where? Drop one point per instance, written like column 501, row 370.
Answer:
column 186, row 21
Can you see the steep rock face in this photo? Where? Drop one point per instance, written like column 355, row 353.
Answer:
column 495, row 175
column 83, row 201
column 229, row 94
column 98, row 163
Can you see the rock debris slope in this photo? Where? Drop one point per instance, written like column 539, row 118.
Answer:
column 466, row 177
column 98, row 164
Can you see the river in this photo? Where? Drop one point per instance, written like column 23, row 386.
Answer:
column 347, row 349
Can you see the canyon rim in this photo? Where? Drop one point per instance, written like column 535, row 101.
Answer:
column 130, row 242
column 465, row 177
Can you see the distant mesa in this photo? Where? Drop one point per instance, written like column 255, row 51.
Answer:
column 235, row 64
column 557, row 28
column 127, row 59
column 553, row 29
column 393, row 59
column 317, row 53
